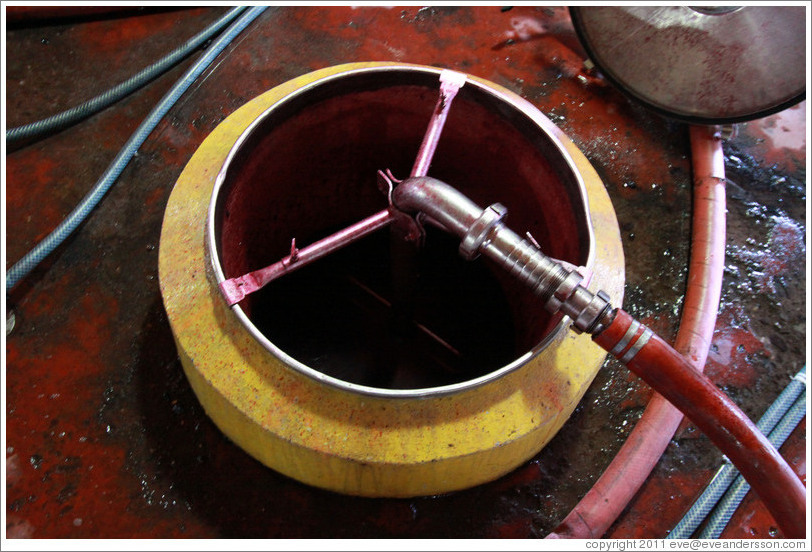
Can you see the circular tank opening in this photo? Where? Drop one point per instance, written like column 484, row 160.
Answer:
column 367, row 318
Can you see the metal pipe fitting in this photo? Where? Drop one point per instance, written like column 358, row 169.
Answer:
column 482, row 231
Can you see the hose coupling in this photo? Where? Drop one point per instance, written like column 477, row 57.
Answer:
column 479, row 232
column 586, row 309
column 590, row 313
column 482, row 231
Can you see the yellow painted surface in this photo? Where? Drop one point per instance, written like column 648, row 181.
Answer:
column 348, row 442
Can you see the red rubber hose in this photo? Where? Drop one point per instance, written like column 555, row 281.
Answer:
column 707, row 248
column 633, row 463
column 671, row 375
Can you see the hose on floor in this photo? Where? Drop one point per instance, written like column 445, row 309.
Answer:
column 725, row 476
column 733, row 497
column 714, row 413
column 114, row 94
column 25, row 265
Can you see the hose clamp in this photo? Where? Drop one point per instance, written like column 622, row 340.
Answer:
column 408, row 228
column 638, row 344
column 480, row 230
column 591, row 318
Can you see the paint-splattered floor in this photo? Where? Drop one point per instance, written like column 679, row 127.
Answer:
column 104, row 437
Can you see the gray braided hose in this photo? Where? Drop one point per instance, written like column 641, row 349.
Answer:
column 94, row 105
column 25, row 265
column 776, row 416
column 730, row 502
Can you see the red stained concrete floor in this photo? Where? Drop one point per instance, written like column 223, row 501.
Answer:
column 103, row 435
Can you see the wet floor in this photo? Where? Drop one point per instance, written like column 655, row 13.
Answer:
column 104, row 437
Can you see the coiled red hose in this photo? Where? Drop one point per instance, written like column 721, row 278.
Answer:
column 633, row 463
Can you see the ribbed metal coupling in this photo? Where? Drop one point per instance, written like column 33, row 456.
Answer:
column 482, row 231
column 559, row 286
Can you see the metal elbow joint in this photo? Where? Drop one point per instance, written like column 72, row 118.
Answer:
column 483, row 232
